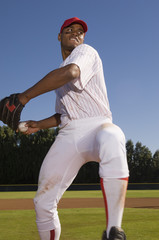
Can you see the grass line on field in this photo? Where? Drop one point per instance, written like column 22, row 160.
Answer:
column 82, row 194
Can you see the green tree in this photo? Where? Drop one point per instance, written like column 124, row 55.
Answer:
column 32, row 150
column 156, row 166
column 143, row 164
column 21, row 156
column 89, row 173
column 130, row 158
column 8, row 149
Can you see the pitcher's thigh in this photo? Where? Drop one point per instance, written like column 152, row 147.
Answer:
column 59, row 168
column 111, row 148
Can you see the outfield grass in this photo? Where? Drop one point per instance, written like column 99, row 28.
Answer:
column 80, row 224
column 82, row 194
column 98, row 194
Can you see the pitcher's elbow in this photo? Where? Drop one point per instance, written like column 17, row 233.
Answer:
column 74, row 71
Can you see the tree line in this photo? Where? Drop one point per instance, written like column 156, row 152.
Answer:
column 21, row 157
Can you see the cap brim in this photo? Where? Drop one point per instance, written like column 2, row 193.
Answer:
column 68, row 23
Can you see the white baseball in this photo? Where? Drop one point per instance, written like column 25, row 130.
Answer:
column 22, row 127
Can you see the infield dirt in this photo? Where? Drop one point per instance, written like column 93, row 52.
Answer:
column 15, row 204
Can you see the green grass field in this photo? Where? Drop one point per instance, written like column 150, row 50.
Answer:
column 81, row 194
column 81, row 224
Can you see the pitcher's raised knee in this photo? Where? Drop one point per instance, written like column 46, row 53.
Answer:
column 110, row 143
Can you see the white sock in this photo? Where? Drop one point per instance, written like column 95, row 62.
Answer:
column 114, row 192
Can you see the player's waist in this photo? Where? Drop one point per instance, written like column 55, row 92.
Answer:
column 83, row 122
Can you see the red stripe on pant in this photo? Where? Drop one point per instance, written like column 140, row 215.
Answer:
column 52, row 234
column 105, row 200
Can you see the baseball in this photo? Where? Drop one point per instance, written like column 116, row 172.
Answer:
column 22, row 127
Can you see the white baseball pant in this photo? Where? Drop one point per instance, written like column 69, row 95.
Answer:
column 80, row 141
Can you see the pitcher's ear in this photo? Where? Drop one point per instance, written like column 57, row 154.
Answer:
column 59, row 37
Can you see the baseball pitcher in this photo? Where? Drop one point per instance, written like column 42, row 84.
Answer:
column 86, row 133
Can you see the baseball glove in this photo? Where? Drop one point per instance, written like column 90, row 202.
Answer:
column 10, row 111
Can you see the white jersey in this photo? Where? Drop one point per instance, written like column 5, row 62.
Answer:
column 85, row 96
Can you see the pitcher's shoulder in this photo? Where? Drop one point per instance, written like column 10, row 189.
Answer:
column 86, row 48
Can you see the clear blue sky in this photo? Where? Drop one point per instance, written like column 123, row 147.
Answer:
column 124, row 32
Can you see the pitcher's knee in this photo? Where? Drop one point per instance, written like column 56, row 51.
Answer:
column 112, row 152
column 110, row 142
column 45, row 213
column 40, row 208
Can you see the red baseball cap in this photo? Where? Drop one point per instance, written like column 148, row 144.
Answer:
column 69, row 21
